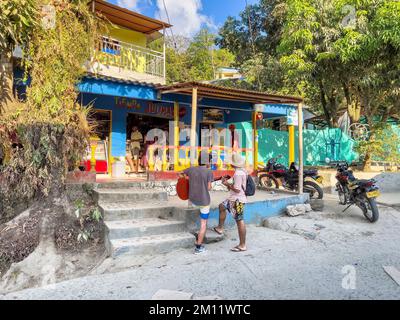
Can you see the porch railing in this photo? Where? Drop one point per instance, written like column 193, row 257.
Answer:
column 130, row 57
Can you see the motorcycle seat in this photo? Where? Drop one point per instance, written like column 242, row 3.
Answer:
column 360, row 181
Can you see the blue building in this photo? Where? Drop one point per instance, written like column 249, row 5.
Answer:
column 126, row 88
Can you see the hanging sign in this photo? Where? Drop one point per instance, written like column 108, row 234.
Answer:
column 213, row 116
column 292, row 117
column 260, row 108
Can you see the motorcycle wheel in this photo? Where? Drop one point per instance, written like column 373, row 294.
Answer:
column 370, row 210
column 342, row 195
column 268, row 181
column 313, row 189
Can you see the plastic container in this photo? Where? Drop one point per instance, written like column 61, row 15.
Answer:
column 118, row 169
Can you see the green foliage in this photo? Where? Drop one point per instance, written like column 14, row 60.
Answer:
column 336, row 54
column 18, row 18
column 96, row 215
column 382, row 145
column 50, row 127
column 194, row 59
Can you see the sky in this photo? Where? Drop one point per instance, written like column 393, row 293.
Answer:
column 188, row 16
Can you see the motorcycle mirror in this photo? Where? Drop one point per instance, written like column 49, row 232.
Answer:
column 327, row 160
column 280, row 156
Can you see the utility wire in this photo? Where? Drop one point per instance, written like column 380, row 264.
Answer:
column 169, row 21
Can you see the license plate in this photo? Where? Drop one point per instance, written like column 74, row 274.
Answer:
column 319, row 179
column 373, row 194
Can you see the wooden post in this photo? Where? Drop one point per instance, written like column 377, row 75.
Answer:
column 151, row 158
column 291, row 144
column 255, row 142
column 300, row 126
column 93, row 157
column 164, row 57
column 176, row 136
column 193, row 128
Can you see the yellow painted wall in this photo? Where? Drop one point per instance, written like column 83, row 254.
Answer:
column 128, row 36
column 127, row 58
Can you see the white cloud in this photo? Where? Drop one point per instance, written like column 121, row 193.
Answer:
column 185, row 16
column 128, row 4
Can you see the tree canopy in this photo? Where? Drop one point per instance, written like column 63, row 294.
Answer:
column 340, row 55
column 194, row 59
column 333, row 53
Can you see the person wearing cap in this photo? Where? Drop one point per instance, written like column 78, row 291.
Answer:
column 200, row 179
column 236, row 201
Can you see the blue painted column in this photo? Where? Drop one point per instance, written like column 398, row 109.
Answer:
column 118, row 133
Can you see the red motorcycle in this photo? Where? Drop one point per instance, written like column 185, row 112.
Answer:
column 276, row 174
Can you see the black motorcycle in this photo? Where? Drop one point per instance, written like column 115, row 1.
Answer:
column 352, row 191
column 275, row 172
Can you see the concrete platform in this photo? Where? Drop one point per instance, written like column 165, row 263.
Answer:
column 260, row 206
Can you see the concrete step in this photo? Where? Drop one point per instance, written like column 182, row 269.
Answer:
column 143, row 227
column 126, row 195
column 114, row 211
column 134, row 184
column 149, row 245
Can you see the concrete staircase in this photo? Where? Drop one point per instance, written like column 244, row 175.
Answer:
column 139, row 221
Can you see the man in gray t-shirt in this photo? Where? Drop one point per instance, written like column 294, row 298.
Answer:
column 200, row 179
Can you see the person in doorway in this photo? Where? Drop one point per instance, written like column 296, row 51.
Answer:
column 200, row 179
column 136, row 140
column 235, row 202
column 157, row 155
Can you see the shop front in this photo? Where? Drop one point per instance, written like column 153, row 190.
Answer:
column 176, row 122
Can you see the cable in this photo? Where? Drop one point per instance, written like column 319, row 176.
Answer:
column 169, row 21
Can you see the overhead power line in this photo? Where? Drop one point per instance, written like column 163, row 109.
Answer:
column 169, row 21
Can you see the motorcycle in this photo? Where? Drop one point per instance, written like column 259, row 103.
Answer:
column 275, row 174
column 352, row 191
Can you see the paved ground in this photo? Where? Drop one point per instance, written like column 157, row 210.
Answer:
column 390, row 198
column 278, row 265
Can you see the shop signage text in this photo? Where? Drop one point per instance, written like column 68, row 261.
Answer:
column 127, row 103
column 160, row 110
column 145, row 107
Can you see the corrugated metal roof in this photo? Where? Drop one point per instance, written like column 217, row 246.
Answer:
column 225, row 93
column 128, row 19
column 118, row 80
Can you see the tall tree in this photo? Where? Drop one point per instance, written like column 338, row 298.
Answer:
column 195, row 59
column 17, row 21
column 337, row 54
column 253, row 39
column 50, row 126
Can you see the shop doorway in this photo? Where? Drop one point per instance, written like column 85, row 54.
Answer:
column 100, row 140
column 144, row 124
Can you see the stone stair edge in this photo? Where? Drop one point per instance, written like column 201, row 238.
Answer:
column 137, row 241
column 140, row 222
